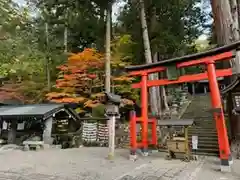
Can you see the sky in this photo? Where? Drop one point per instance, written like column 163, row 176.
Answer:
column 20, row 1
column 116, row 9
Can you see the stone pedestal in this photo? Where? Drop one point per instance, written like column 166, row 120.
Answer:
column 205, row 90
column 193, row 89
column 174, row 109
column 183, row 98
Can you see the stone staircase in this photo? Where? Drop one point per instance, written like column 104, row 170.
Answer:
column 205, row 129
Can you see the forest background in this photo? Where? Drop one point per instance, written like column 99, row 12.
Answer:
column 55, row 50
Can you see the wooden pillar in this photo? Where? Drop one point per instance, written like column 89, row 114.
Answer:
column 12, row 132
column 48, row 131
column 133, row 133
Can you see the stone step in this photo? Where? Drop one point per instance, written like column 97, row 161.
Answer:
column 202, row 133
column 206, row 125
column 210, row 132
column 206, row 145
column 202, row 128
column 208, row 153
column 209, row 135
column 200, row 141
column 212, row 136
column 208, row 150
column 206, row 128
column 206, row 139
column 200, row 121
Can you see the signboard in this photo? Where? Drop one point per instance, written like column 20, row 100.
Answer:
column 194, row 142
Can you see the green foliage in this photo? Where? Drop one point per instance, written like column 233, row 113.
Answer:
column 98, row 111
column 84, row 19
column 173, row 25
column 22, row 58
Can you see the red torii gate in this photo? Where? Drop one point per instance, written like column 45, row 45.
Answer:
column 206, row 58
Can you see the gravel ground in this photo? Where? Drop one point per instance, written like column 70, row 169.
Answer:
column 91, row 164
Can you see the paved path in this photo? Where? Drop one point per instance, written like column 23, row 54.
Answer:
column 211, row 170
column 90, row 164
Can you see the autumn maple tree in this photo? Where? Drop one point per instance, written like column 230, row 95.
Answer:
column 81, row 80
column 78, row 79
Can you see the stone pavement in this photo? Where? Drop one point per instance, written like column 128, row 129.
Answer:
column 90, row 164
column 211, row 170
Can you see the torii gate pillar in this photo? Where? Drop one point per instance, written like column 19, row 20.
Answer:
column 224, row 149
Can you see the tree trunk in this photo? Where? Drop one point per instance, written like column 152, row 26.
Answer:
column 235, row 23
column 165, row 101
column 102, row 25
column 152, row 29
column 216, row 24
column 47, row 58
column 223, row 18
column 235, row 30
column 108, row 51
column 148, row 56
column 228, row 18
column 158, row 92
column 65, row 39
column 238, row 10
column 227, row 26
column 161, row 94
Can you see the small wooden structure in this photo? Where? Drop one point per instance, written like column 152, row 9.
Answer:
column 34, row 125
column 178, row 142
column 202, row 86
column 231, row 94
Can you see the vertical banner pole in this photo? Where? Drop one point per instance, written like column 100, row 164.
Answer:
column 111, row 134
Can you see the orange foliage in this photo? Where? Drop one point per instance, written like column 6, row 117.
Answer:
column 69, row 100
column 123, row 78
column 91, row 103
column 127, row 102
column 89, row 58
column 11, row 92
column 76, row 78
column 97, row 95
column 81, row 77
column 57, row 95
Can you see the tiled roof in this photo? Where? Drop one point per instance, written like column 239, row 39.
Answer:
column 33, row 110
